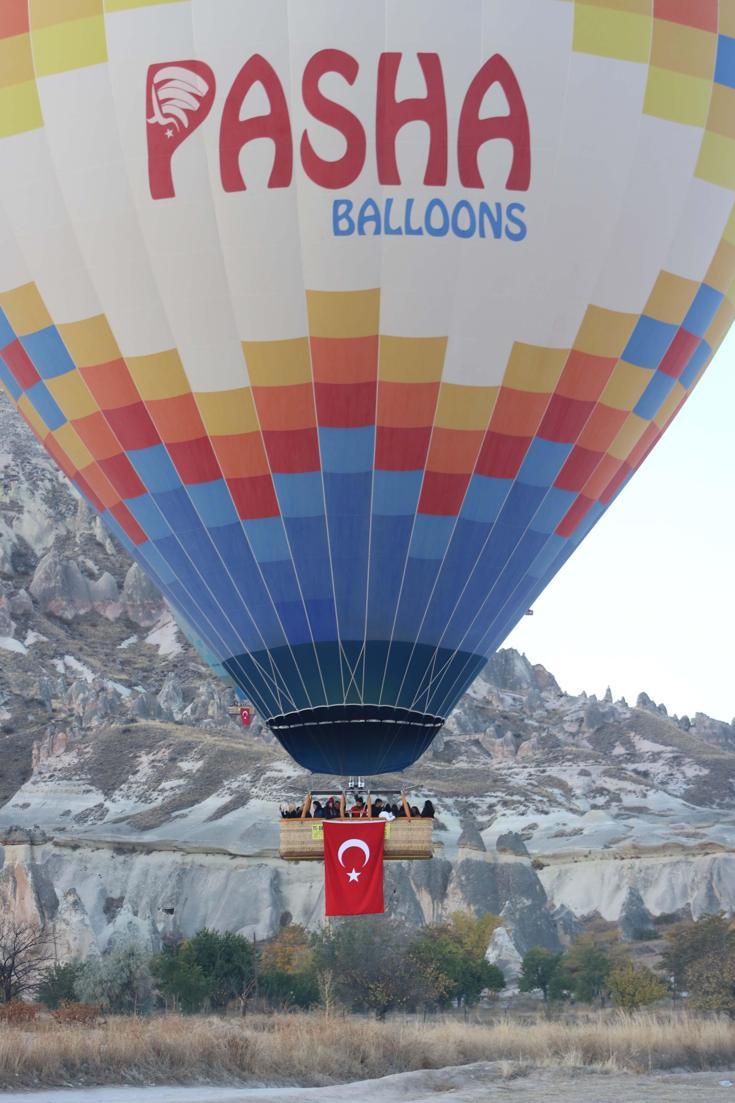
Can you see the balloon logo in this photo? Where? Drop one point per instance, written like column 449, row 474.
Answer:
column 351, row 326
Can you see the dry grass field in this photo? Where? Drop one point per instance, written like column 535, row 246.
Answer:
column 311, row 1050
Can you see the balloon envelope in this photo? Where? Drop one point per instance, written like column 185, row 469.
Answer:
column 351, row 319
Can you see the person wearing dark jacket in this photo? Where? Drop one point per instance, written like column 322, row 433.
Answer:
column 428, row 810
column 317, row 810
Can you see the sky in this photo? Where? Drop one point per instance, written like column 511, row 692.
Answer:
column 647, row 602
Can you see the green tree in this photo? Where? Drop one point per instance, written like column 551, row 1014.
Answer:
column 59, row 984
column 538, row 969
column 227, row 963
column 587, row 966
column 633, row 987
column 456, row 951
column 179, row 979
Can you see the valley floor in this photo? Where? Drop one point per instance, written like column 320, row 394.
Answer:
column 479, row 1083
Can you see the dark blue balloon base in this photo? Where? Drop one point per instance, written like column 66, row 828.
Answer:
column 355, row 739
column 318, row 699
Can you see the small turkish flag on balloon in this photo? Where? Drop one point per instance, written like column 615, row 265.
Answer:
column 353, row 867
column 245, row 716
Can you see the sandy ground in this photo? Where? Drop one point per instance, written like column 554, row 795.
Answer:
column 480, row 1083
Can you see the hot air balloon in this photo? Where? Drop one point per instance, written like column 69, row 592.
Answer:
column 351, row 318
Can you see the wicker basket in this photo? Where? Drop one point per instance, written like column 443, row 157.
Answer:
column 405, row 840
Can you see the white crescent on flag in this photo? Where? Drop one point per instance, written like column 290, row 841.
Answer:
column 348, row 843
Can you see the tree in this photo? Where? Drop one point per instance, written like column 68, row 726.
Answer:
column 25, row 950
column 538, row 969
column 291, row 951
column 287, row 974
column 700, row 957
column 58, row 984
column 632, row 987
column 120, row 981
column 456, row 952
column 587, row 966
column 374, row 966
column 474, row 932
column 227, row 962
column 179, row 978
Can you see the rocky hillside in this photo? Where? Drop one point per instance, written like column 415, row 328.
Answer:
column 133, row 804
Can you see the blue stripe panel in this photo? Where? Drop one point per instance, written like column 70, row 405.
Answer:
column 213, row 503
column 267, row 538
column 149, row 517
column 431, row 536
column 347, row 450
column 389, row 541
column 247, row 579
column 703, row 309
column 396, row 493
column 544, row 460
column 154, row 466
column 521, row 505
column 547, row 555
column 44, row 403
column 176, row 507
column 555, row 505
column 48, row 352
column 348, row 514
column 484, row 498
column 300, row 495
column 725, row 64
column 155, row 563
column 7, row 333
column 654, row 396
column 418, row 583
column 648, row 342
column 9, row 381
column 697, row 361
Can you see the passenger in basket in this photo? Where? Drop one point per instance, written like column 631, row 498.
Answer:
column 386, row 814
column 359, row 809
column 377, row 807
column 331, row 811
column 318, row 810
column 428, row 810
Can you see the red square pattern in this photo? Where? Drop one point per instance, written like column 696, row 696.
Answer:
column 580, row 464
column 400, row 449
column 292, row 451
column 254, row 497
column 20, row 364
column 133, row 427
column 442, row 494
column 195, row 460
column 501, row 456
column 565, row 419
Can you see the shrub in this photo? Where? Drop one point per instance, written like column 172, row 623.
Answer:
column 633, row 987
column 18, row 1013
column 81, row 1014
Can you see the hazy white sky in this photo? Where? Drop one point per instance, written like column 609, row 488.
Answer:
column 648, row 600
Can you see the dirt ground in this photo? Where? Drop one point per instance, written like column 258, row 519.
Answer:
column 480, row 1083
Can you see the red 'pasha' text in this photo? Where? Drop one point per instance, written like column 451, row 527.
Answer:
column 181, row 94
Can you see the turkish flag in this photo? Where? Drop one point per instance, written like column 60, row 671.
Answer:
column 353, row 867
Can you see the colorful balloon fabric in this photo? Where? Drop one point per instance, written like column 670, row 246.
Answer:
column 352, row 318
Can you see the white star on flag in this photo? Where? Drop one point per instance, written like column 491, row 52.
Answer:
column 169, row 133
column 353, row 876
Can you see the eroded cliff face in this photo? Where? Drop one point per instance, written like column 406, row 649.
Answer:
column 133, row 805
